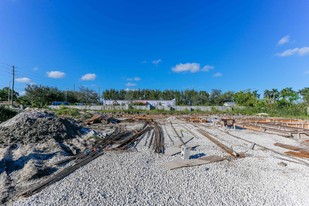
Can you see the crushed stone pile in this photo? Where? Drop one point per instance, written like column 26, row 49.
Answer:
column 30, row 144
column 35, row 126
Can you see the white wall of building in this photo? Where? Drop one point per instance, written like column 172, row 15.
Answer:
column 154, row 103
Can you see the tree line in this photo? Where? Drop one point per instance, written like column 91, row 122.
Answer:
column 40, row 96
column 273, row 99
column 213, row 98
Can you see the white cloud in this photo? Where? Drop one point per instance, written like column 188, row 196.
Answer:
column 137, row 79
column 187, row 67
column 129, row 84
column 191, row 67
column 218, row 74
column 23, row 80
column 300, row 51
column 206, row 68
column 89, row 77
column 284, row 40
column 134, row 79
column 157, row 61
column 35, row 69
column 55, row 74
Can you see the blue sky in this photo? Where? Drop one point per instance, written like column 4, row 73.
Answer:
column 227, row 45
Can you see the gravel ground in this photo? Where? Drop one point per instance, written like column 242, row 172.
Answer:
column 139, row 178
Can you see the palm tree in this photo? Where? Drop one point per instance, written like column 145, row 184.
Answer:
column 267, row 95
column 274, row 95
column 271, row 95
column 289, row 94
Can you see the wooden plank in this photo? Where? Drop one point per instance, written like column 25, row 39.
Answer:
column 265, row 130
column 301, row 154
column 180, row 138
column 219, row 144
column 286, row 146
column 193, row 162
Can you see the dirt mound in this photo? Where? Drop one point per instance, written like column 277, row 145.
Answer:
column 35, row 126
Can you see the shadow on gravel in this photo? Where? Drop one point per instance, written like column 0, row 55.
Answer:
column 44, row 172
column 196, row 156
column 13, row 165
column 239, row 128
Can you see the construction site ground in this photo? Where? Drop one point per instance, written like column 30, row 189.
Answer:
column 257, row 172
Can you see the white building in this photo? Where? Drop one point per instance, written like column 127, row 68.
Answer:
column 229, row 104
column 154, row 103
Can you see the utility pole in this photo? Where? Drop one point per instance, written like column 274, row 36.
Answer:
column 13, row 78
column 99, row 96
column 9, row 92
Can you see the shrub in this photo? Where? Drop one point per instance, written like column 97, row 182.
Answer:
column 6, row 114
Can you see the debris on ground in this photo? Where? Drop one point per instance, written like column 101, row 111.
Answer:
column 96, row 118
column 283, row 164
column 100, row 118
column 112, row 153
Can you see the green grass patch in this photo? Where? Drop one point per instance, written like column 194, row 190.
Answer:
column 72, row 112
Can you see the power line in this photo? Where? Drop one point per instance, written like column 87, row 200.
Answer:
column 6, row 72
column 5, row 68
column 6, row 64
column 34, row 77
column 20, row 72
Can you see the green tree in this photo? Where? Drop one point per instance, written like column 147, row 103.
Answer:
column 305, row 94
column 288, row 94
column 4, row 94
column 268, row 95
column 40, row 96
column 225, row 97
column 246, row 98
column 129, row 95
column 214, row 97
column 87, row 95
